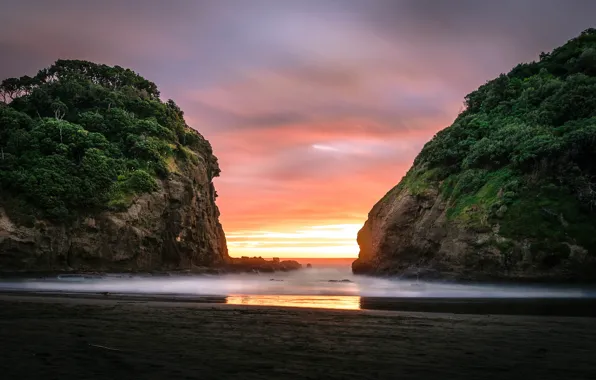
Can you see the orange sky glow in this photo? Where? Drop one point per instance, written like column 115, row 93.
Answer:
column 296, row 241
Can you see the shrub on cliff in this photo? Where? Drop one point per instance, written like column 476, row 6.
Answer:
column 523, row 152
column 79, row 137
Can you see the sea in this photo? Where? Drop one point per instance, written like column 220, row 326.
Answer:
column 330, row 285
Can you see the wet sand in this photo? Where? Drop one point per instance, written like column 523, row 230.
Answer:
column 82, row 338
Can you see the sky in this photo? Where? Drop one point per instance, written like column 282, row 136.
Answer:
column 315, row 108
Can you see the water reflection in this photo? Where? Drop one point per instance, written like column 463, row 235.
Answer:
column 585, row 307
column 577, row 307
column 319, row 302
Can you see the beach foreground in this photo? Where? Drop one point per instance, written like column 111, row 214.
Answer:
column 78, row 338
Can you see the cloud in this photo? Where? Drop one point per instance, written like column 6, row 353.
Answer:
column 325, row 147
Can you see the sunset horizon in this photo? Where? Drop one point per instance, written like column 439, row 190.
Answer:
column 326, row 241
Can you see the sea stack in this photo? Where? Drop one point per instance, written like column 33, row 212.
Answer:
column 98, row 173
column 508, row 191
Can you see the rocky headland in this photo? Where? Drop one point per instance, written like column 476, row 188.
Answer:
column 508, row 191
column 98, row 174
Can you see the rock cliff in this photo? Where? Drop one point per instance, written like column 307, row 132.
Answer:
column 97, row 173
column 411, row 236
column 508, row 191
column 174, row 227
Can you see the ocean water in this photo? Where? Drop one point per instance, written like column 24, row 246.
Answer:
column 324, row 287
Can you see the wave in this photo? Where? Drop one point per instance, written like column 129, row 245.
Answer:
column 315, row 281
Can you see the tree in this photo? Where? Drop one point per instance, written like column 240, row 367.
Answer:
column 80, row 136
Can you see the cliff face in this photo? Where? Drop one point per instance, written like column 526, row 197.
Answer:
column 98, row 173
column 508, row 191
column 175, row 227
column 411, row 235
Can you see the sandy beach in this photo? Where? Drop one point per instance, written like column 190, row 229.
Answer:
column 82, row 338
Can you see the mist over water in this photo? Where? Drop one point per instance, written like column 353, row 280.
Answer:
column 316, row 282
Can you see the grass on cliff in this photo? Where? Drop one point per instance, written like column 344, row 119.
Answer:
column 80, row 137
column 547, row 216
column 523, row 152
column 128, row 186
column 476, row 195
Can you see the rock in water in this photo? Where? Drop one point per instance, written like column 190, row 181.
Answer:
column 508, row 191
column 259, row 264
column 108, row 178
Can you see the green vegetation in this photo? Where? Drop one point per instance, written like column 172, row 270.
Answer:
column 523, row 152
column 80, row 137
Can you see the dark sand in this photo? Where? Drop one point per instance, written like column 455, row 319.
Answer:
column 79, row 338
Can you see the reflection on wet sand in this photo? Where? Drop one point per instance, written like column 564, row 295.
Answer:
column 577, row 307
column 511, row 306
column 319, row 302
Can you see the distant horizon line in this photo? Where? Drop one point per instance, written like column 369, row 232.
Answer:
column 301, row 258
